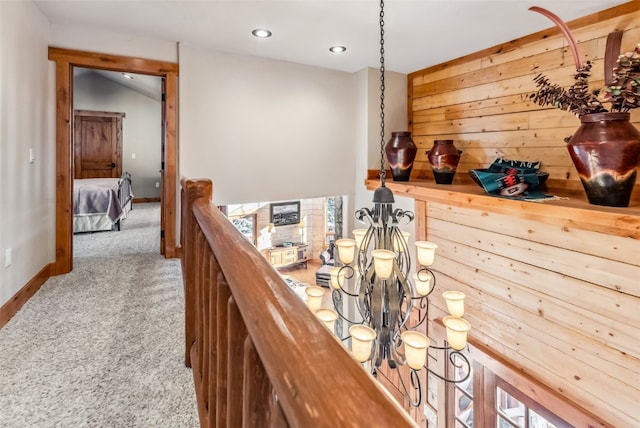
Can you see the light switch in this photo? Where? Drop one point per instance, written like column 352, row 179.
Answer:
column 133, row 155
column 7, row 257
column 32, row 157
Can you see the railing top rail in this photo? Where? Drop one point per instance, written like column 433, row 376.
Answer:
column 317, row 382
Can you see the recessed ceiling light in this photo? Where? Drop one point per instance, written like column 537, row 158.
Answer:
column 127, row 75
column 337, row 49
column 261, row 33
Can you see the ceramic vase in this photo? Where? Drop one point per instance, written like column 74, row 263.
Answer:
column 605, row 151
column 444, row 158
column 401, row 152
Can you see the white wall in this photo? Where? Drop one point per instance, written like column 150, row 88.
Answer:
column 263, row 129
column 27, row 191
column 140, row 127
column 87, row 38
column 368, row 140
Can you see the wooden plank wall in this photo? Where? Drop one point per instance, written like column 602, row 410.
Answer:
column 558, row 302
column 481, row 101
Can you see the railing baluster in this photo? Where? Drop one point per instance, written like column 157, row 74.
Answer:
column 257, row 389
column 237, row 332
column 223, row 342
column 200, row 301
column 196, row 356
column 212, row 332
column 206, row 343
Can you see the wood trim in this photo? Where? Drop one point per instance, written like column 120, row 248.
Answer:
column 112, row 62
column 170, row 167
column 65, row 60
column 572, row 213
column 11, row 307
column 145, row 200
column 512, row 45
column 64, row 188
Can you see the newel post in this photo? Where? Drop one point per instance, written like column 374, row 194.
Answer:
column 191, row 191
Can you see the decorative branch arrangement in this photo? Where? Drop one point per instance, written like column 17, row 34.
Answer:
column 623, row 93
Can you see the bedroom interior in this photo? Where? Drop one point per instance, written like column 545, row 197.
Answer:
column 116, row 143
column 550, row 286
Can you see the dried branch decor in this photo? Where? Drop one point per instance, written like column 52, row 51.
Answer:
column 623, row 93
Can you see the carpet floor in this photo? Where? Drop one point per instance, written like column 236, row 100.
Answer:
column 103, row 345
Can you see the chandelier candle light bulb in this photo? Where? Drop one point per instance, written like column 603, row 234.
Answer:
column 362, row 338
column 328, row 317
column 415, row 348
column 359, row 235
column 426, row 252
column 383, row 262
column 314, row 297
column 422, row 284
column 400, row 246
column 337, row 277
column 455, row 303
column 457, row 329
column 345, row 250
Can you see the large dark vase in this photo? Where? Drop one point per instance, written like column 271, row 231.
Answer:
column 605, row 150
column 401, row 152
column 444, row 158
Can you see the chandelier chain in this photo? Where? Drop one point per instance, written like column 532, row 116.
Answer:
column 382, row 88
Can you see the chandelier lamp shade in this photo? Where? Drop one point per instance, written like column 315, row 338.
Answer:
column 386, row 304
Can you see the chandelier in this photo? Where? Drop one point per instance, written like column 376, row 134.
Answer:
column 375, row 277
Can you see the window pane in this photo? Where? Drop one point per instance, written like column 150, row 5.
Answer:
column 503, row 423
column 460, row 373
column 460, row 424
column 464, row 408
column 245, row 226
column 537, row 421
column 331, row 215
column 511, row 408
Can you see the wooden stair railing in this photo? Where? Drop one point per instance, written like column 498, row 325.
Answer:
column 259, row 357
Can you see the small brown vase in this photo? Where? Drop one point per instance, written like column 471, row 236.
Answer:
column 444, row 158
column 605, row 150
column 401, row 152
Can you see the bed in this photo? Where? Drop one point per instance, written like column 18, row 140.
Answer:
column 101, row 203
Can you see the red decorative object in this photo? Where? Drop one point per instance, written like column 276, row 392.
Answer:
column 444, row 158
column 605, row 150
column 401, row 152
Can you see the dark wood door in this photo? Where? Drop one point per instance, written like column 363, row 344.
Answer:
column 98, row 144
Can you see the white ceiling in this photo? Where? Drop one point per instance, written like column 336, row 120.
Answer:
column 418, row 33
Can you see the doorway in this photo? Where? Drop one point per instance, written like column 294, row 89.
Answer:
column 65, row 61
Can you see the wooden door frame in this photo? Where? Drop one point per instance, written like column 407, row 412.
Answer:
column 65, row 60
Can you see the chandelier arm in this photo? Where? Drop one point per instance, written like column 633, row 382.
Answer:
column 399, row 214
column 364, row 213
column 465, row 365
column 336, row 297
column 363, row 301
column 424, row 311
column 348, row 275
column 416, row 385
column 402, row 291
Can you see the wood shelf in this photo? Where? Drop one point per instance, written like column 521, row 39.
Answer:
column 574, row 212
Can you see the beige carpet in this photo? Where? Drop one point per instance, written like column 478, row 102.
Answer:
column 103, row 345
